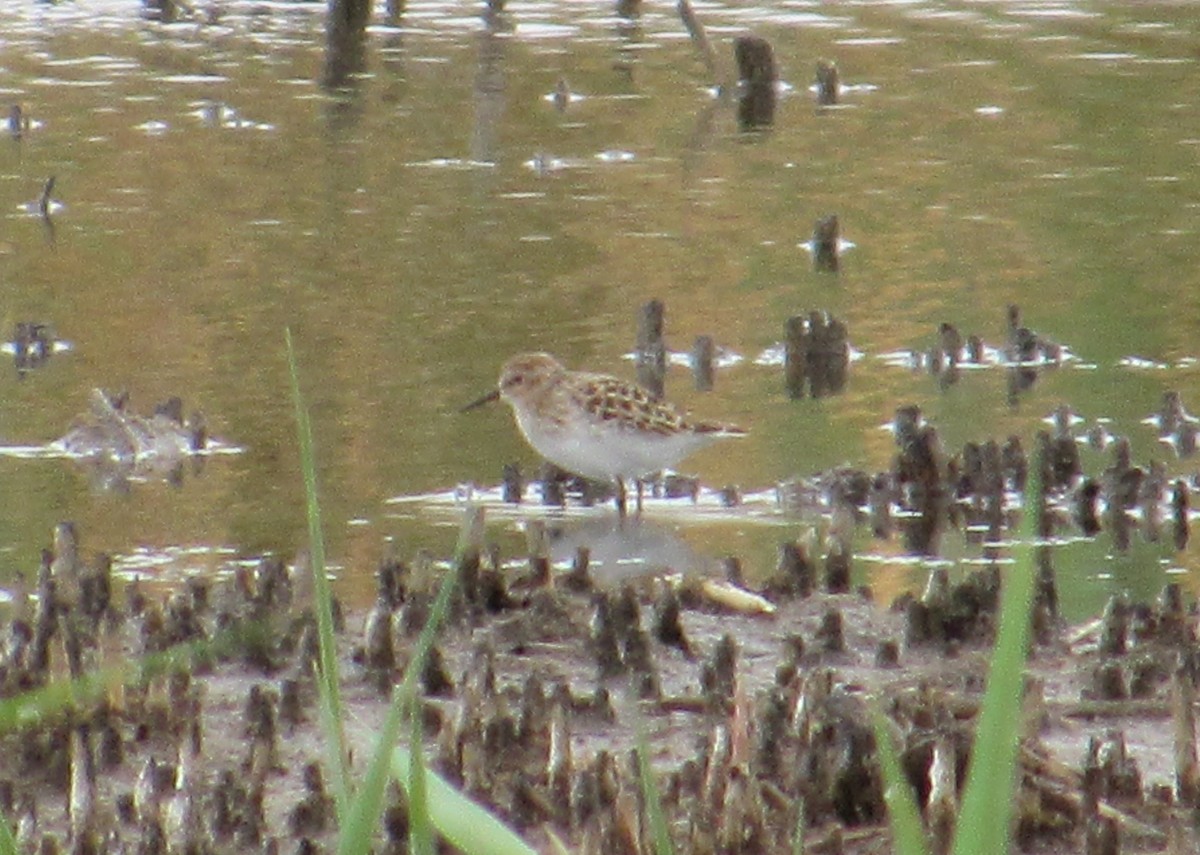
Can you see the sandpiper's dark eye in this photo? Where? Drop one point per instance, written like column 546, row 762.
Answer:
column 514, row 380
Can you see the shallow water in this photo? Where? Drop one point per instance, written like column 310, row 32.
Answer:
column 437, row 214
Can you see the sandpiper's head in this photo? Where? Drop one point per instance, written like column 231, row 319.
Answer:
column 526, row 375
column 522, row 378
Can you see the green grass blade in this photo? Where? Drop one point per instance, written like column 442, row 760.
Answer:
column 327, row 679
column 798, row 831
column 46, row 701
column 985, row 821
column 908, row 835
column 420, row 823
column 367, row 806
column 660, row 833
column 434, row 803
column 556, row 844
column 8, row 844
column 467, row 825
column 41, row 704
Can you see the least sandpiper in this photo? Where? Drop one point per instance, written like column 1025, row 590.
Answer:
column 597, row 426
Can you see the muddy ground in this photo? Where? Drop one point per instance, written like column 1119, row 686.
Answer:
column 539, row 684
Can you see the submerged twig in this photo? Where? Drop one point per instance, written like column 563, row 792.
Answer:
column 44, row 201
column 699, row 38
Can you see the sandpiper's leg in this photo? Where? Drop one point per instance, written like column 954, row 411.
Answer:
column 639, row 495
column 620, row 497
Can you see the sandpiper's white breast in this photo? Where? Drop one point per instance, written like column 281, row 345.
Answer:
column 607, row 450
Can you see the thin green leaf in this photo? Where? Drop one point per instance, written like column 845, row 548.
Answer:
column 51, row 699
column 908, row 836
column 659, row 832
column 556, row 844
column 420, row 824
column 367, row 806
column 8, row 844
column 467, row 825
column 985, row 821
column 327, row 682
column 798, row 831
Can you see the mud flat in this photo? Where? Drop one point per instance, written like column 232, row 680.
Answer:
column 755, row 705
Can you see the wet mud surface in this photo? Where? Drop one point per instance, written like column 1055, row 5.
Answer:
column 752, row 703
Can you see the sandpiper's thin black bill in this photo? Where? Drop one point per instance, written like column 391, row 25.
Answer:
column 493, row 395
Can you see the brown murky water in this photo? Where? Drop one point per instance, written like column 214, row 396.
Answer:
column 438, row 214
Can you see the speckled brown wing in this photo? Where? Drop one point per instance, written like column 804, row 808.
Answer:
column 612, row 400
